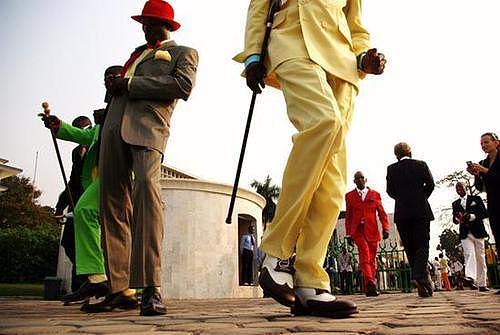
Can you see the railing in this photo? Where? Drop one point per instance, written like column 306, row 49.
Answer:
column 393, row 269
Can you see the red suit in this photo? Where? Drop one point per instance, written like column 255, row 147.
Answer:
column 361, row 225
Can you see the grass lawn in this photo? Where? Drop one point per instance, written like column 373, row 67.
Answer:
column 21, row 290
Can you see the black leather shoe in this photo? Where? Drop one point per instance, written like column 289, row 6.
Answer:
column 371, row 290
column 483, row 289
column 424, row 287
column 469, row 282
column 112, row 301
column 86, row 291
column 151, row 303
column 276, row 280
column 310, row 301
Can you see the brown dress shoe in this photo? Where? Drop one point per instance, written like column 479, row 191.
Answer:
column 310, row 301
column 276, row 280
column 112, row 301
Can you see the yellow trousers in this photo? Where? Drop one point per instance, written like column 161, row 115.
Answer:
column 314, row 182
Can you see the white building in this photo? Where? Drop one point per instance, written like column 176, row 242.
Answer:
column 200, row 251
column 7, row 171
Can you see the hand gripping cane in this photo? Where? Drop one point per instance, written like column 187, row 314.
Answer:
column 46, row 114
column 274, row 6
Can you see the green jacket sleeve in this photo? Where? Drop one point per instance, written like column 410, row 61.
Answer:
column 74, row 134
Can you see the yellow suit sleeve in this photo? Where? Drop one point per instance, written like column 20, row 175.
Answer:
column 255, row 28
column 359, row 35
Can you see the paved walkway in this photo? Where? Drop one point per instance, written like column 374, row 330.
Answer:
column 450, row 313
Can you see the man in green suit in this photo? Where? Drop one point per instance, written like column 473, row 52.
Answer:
column 89, row 255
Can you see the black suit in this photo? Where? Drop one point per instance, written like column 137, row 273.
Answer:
column 490, row 182
column 473, row 205
column 410, row 183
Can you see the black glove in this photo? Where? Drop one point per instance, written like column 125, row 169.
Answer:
column 255, row 73
column 385, row 234
column 52, row 122
column 350, row 241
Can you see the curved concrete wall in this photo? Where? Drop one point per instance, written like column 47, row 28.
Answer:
column 200, row 251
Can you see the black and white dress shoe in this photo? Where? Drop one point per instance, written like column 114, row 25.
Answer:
column 86, row 291
column 276, row 280
column 470, row 282
column 317, row 302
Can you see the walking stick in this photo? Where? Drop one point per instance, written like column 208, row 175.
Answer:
column 274, row 6
column 46, row 114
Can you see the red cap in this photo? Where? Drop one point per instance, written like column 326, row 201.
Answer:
column 160, row 10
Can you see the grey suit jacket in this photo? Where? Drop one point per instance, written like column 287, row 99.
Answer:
column 153, row 93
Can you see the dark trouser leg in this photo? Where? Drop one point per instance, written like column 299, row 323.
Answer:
column 349, row 282
column 343, row 277
column 68, row 243
column 494, row 225
column 415, row 236
column 247, row 266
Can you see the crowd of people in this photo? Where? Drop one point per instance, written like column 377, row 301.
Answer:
column 316, row 53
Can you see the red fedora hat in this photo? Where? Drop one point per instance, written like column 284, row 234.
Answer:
column 158, row 9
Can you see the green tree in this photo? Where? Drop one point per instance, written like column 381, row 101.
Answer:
column 449, row 241
column 270, row 193
column 19, row 205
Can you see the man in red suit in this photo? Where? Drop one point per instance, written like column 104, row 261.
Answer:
column 362, row 206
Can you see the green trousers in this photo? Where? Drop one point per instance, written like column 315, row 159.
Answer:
column 89, row 256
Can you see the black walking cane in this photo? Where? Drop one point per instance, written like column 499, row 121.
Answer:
column 46, row 114
column 274, row 6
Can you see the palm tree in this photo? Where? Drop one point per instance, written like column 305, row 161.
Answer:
column 270, row 193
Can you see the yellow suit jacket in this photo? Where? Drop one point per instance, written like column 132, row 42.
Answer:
column 329, row 32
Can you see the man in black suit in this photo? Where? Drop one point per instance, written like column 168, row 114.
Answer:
column 469, row 212
column 410, row 183
column 76, row 189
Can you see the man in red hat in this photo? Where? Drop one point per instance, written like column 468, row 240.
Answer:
column 134, row 137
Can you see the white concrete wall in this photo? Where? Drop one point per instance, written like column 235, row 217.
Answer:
column 200, row 251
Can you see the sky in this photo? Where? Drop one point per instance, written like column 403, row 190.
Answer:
column 439, row 92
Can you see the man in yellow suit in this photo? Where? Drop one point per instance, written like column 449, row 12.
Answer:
column 317, row 52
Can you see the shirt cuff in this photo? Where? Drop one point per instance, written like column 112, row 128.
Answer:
column 128, row 83
column 472, row 217
column 360, row 61
column 252, row 59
